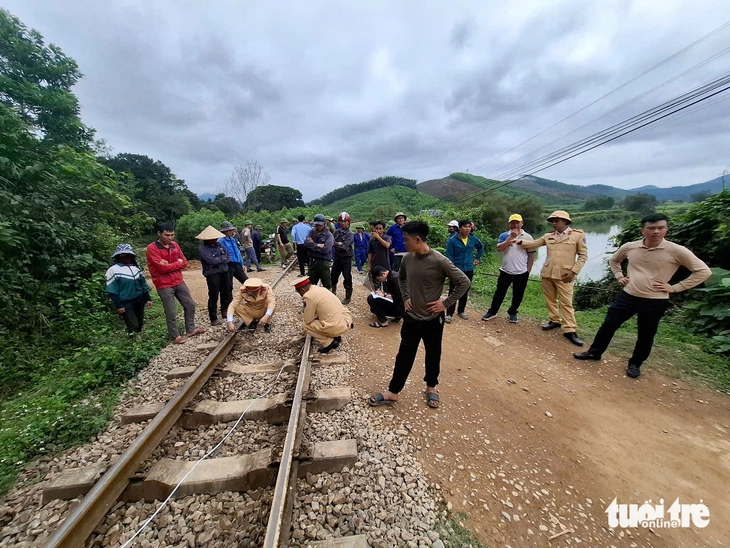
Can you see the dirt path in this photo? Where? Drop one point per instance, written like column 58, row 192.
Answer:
column 529, row 442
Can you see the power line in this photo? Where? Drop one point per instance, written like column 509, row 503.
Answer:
column 630, row 125
column 661, row 63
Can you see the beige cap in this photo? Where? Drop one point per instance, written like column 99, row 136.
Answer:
column 560, row 215
column 210, row 233
column 253, row 283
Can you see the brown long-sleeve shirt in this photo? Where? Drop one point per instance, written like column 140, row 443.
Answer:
column 657, row 263
column 422, row 278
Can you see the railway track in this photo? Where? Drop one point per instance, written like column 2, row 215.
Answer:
column 145, row 470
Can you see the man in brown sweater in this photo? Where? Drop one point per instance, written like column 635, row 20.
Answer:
column 652, row 263
column 421, row 278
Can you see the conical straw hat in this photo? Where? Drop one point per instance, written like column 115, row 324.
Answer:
column 210, row 233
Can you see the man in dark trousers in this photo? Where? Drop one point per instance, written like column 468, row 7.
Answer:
column 215, row 260
column 515, row 269
column 258, row 241
column 460, row 251
column 319, row 245
column 299, row 234
column 422, row 276
column 362, row 239
column 646, row 289
column 231, row 243
column 344, row 240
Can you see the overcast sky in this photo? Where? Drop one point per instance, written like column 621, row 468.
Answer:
column 325, row 95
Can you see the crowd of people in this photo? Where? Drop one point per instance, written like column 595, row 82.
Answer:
column 405, row 279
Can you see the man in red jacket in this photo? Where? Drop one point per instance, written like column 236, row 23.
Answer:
column 165, row 261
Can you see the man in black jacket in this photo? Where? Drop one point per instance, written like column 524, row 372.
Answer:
column 344, row 252
column 215, row 259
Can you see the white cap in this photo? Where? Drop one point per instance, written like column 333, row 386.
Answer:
column 453, row 223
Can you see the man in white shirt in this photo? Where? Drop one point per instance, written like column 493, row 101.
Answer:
column 515, row 269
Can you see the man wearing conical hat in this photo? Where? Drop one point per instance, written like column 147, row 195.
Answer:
column 325, row 317
column 254, row 303
column 566, row 254
column 215, row 259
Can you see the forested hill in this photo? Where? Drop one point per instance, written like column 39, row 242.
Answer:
column 357, row 188
column 383, row 203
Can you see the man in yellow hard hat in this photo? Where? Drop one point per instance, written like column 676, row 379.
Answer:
column 566, row 254
column 254, row 303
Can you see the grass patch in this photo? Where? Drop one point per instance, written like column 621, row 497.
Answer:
column 58, row 389
column 453, row 532
column 677, row 351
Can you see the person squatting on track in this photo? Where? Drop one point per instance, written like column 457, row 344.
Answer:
column 388, row 301
column 319, row 244
column 560, row 269
column 127, row 288
column 230, row 242
column 460, row 251
column 215, row 260
column 166, row 261
column 325, row 317
column 422, row 276
column 362, row 239
column 254, row 303
column 343, row 242
column 515, row 270
column 299, row 233
column 646, row 289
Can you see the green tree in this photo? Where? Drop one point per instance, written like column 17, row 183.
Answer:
column 36, row 82
column 600, row 203
column 640, row 203
column 158, row 191
column 272, row 198
column 226, row 204
column 191, row 225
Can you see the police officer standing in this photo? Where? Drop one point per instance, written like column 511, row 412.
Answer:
column 319, row 245
column 560, row 269
column 344, row 240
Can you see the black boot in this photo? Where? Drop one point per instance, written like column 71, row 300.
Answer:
column 586, row 356
column 331, row 346
column 572, row 337
column 348, row 295
column 550, row 325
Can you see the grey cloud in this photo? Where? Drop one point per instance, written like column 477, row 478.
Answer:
column 462, row 33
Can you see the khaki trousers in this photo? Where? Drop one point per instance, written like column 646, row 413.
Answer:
column 556, row 291
column 249, row 313
column 323, row 335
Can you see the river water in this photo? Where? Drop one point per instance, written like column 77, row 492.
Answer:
column 599, row 249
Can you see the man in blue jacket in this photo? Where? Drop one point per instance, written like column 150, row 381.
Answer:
column 398, row 246
column 362, row 239
column 460, row 251
column 229, row 241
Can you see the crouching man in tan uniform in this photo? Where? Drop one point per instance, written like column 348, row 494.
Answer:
column 560, row 269
column 254, row 304
column 325, row 318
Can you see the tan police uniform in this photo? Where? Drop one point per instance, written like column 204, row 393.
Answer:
column 324, row 315
column 250, row 307
column 562, row 250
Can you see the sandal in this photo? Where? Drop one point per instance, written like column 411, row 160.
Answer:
column 198, row 331
column 179, row 340
column 378, row 324
column 432, row 400
column 376, row 400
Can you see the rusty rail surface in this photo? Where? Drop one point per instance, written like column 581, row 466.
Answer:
column 285, row 477
column 79, row 525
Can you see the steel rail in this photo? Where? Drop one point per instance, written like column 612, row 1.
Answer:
column 79, row 525
column 278, row 502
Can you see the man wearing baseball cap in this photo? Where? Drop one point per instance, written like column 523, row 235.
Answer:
column 325, row 318
column 452, row 227
column 561, row 267
column 342, row 264
column 515, row 269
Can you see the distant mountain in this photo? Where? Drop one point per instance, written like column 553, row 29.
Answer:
column 459, row 187
column 206, row 196
column 682, row 192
